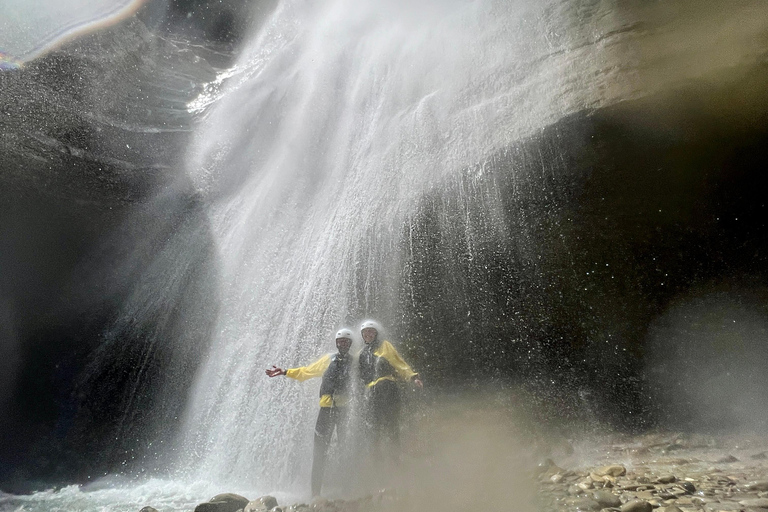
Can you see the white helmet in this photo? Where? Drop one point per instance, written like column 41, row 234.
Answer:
column 344, row 333
column 371, row 324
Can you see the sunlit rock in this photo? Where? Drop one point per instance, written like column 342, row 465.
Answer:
column 612, row 471
column 262, row 504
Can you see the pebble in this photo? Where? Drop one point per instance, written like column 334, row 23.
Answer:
column 755, row 503
column 637, row 506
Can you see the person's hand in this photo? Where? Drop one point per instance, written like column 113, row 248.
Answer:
column 275, row 371
column 417, row 382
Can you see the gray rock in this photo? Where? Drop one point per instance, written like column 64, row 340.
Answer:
column 667, row 479
column 262, row 504
column 671, row 508
column 637, row 506
column 227, row 502
column 148, row 509
column 585, row 504
column 755, row 503
column 613, row 470
column 727, row 459
column 758, row 486
column 722, row 505
column 607, row 499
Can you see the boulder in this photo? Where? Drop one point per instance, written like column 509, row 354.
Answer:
column 227, row 502
column 262, row 504
column 607, row 499
column 613, row 470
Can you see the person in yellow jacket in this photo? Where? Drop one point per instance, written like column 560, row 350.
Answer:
column 381, row 367
column 335, row 369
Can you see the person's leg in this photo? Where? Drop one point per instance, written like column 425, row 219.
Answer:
column 323, row 433
column 386, row 420
column 390, row 418
column 341, row 418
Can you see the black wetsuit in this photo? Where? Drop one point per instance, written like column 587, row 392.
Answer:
column 381, row 366
column 336, row 381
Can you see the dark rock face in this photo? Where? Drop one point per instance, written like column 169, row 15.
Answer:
column 607, row 218
column 91, row 139
column 220, row 22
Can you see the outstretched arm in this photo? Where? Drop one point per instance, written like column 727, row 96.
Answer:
column 303, row 373
column 275, row 371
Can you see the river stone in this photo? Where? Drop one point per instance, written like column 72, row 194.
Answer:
column 755, row 503
column 758, row 486
column 722, row 505
column 261, row 504
column 612, row 470
column 727, row 459
column 667, row 479
column 148, row 509
column 607, row 499
column 585, row 504
column 671, row 508
column 636, row 506
column 227, row 502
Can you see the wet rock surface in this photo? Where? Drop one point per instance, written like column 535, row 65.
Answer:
column 706, row 474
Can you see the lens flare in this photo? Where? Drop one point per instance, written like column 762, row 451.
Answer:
column 31, row 29
column 7, row 62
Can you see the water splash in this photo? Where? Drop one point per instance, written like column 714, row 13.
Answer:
column 338, row 118
column 112, row 494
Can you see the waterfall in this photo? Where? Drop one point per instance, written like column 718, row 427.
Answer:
column 338, row 116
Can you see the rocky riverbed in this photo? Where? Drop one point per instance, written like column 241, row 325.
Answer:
column 671, row 473
column 667, row 472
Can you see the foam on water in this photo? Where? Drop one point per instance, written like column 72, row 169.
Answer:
column 112, row 494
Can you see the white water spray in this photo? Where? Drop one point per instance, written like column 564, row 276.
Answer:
column 340, row 115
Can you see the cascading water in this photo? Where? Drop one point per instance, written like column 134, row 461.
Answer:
column 405, row 162
column 338, row 117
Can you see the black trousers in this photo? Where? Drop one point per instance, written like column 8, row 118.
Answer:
column 384, row 417
column 328, row 420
